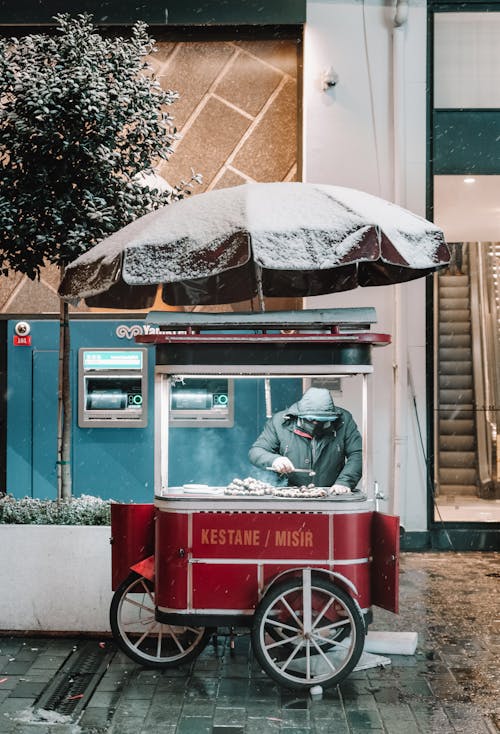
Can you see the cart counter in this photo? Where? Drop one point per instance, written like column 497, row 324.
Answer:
column 218, row 554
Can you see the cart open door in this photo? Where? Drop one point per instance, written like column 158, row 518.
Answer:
column 385, row 561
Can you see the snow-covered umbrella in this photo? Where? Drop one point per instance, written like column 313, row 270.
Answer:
column 271, row 239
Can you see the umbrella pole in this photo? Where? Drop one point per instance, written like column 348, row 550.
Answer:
column 260, row 292
column 262, row 308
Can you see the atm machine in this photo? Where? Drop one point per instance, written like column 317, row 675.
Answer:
column 112, row 388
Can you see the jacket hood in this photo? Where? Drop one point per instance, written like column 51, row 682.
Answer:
column 316, row 403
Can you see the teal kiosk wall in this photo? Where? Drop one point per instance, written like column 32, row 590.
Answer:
column 112, row 463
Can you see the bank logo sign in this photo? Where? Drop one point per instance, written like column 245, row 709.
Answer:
column 124, row 331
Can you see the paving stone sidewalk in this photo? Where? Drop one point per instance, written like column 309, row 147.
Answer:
column 451, row 684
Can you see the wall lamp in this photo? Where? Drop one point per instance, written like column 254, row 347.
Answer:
column 329, row 79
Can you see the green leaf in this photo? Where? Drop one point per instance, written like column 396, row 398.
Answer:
column 79, row 120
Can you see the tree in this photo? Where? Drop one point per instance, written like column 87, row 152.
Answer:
column 82, row 122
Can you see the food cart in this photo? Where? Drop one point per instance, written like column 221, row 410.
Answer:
column 300, row 567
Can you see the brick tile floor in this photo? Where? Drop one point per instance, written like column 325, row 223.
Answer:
column 451, row 684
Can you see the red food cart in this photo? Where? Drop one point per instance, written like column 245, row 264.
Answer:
column 300, row 567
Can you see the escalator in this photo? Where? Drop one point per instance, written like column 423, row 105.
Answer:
column 457, row 475
column 468, row 371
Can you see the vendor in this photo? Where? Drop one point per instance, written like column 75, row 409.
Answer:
column 316, row 435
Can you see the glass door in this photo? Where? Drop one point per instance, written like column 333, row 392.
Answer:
column 466, row 109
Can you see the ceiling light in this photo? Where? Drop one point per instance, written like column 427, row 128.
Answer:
column 469, row 180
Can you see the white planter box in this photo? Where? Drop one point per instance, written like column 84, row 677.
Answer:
column 55, row 578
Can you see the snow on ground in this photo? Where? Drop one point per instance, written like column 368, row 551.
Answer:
column 34, row 716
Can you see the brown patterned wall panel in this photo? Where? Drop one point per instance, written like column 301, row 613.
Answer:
column 248, row 83
column 207, row 144
column 271, row 151
column 282, row 54
column 229, row 178
column 33, row 296
column 161, row 55
column 191, row 70
column 237, row 116
column 7, row 287
column 51, row 276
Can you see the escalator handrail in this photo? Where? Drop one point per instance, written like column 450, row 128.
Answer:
column 483, row 361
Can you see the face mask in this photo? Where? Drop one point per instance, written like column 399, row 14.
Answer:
column 315, row 428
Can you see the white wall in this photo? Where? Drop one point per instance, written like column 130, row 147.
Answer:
column 55, row 578
column 348, row 140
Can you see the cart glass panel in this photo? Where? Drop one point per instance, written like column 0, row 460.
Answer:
column 209, row 423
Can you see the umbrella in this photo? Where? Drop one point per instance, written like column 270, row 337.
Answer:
column 269, row 239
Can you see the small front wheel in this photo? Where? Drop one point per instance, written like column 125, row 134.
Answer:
column 307, row 631
column 144, row 639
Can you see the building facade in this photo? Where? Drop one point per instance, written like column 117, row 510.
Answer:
column 397, row 99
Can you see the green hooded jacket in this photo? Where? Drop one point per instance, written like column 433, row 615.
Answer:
column 336, row 456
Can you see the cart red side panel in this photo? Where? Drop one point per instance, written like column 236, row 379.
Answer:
column 132, row 538
column 172, row 550
column 385, row 564
column 231, row 586
column 351, row 535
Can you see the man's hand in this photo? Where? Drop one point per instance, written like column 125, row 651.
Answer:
column 283, row 465
column 339, row 489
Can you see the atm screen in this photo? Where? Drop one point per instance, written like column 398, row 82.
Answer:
column 201, row 401
column 112, row 359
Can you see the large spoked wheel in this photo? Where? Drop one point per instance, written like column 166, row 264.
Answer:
column 142, row 637
column 307, row 631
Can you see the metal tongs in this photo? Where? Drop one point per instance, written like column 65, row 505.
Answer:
column 310, row 472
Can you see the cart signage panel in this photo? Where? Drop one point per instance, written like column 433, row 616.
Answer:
column 260, row 535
